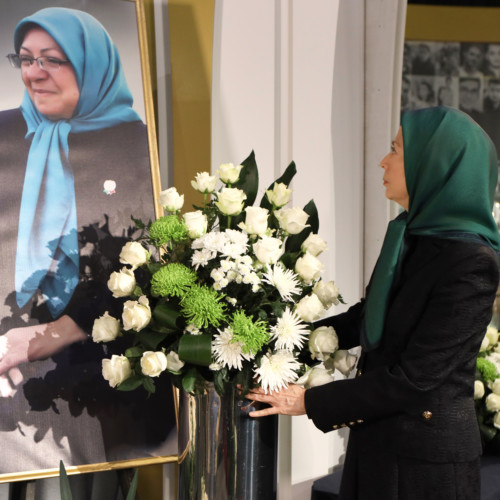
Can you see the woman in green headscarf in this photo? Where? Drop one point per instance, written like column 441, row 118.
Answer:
column 414, row 432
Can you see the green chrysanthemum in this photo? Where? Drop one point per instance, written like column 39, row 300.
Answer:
column 202, row 307
column 252, row 334
column 169, row 228
column 487, row 368
column 172, row 279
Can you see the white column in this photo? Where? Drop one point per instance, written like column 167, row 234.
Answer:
column 385, row 25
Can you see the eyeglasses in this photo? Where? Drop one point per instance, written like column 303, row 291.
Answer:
column 44, row 62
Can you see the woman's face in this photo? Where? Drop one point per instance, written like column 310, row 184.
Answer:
column 394, row 172
column 55, row 93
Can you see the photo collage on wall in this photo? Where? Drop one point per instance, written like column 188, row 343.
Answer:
column 463, row 75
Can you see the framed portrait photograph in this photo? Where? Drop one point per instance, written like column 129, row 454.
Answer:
column 78, row 158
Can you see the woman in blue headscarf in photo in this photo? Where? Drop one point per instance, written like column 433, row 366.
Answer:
column 414, row 432
column 74, row 164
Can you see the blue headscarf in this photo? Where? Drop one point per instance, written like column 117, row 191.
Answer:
column 47, row 246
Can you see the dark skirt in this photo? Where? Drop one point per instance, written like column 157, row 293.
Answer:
column 372, row 472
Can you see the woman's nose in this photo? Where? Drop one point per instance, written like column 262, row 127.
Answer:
column 35, row 72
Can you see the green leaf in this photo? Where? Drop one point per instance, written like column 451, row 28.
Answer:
column 249, row 179
column 130, row 383
column 134, row 352
column 133, row 486
column 149, row 384
column 64, row 483
column 189, row 380
column 196, row 349
column 167, row 315
column 294, row 242
column 286, row 178
column 151, row 340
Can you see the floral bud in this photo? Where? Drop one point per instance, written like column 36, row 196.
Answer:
column 204, row 182
column 279, row 196
column 196, row 223
column 308, row 267
column 116, row 370
column 122, row 283
column 134, row 254
column 328, row 293
column 105, row 328
column 255, row 220
column 230, row 201
column 136, row 314
column 174, row 364
column 314, row 244
column 493, row 402
column 323, row 342
column 478, row 389
column 309, row 308
column 292, row 220
column 153, row 363
column 268, row 249
column 229, row 173
column 171, row 200
column 314, row 377
column 342, row 361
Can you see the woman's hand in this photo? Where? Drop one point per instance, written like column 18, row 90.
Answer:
column 35, row 342
column 288, row 401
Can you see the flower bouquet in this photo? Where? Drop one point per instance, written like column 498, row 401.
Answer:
column 487, row 390
column 226, row 293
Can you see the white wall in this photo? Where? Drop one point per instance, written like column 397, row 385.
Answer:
column 275, row 91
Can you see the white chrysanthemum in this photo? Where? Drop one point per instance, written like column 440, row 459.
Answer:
column 192, row 329
column 285, row 281
column 202, row 257
column 227, row 351
column 213, row 241
column 237, row 237
column 289, row 331
column 277, row 370
column 233, row 250
column 217, row 274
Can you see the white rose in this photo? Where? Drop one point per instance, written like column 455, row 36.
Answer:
column 174, row 364
column 328, row 293
column 255, row 220
column 485, row 344
column 493, row 402
column 229, row 173
column 171, row 200
column 122, row 283
column 230, row 200
column 268, row 249
column 314, row 377
column 309, row 308
column 116, row 370
column 136, row 314
column 134, row 254
column 323, row 342
column 342, row 361
column 196, row 223
column 308, row 267
column 292, row 220
column 279, row 196
column 314, row 244
column 153, row 363
column 478, row 389
column 492, row 335
column 204, row 182
column 495, row 386
column 496, row 420
column 105, row 328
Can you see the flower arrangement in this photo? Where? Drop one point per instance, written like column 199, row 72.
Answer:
column 487, row 390
column 226, row 293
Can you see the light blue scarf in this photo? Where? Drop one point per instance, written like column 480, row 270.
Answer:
column 47, row 255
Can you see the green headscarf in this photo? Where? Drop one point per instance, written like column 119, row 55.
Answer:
column 451, row 174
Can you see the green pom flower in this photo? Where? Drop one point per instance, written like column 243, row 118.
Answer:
column 172, row 279
column 202, row 307
column 252, row 334
column 169, row 228
column 487, row 369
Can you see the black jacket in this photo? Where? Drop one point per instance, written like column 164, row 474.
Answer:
column 415, row 391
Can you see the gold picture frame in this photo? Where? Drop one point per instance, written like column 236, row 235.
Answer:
column 126, row 24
